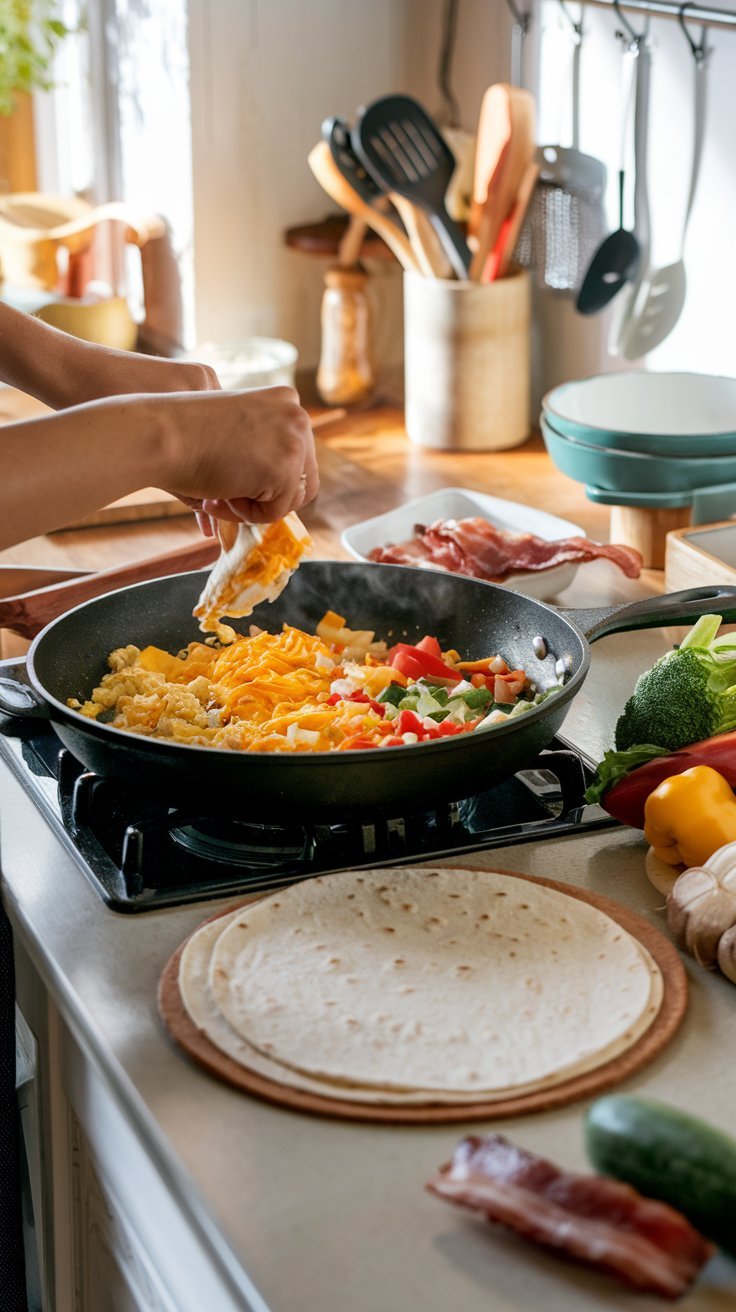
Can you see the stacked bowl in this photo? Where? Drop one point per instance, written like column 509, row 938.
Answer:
column 647, row 439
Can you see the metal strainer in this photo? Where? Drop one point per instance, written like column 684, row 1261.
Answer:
column 566, row 220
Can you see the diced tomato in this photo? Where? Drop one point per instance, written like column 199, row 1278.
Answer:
column 420, row 664
column 506, row 687
column 408, row 722
column 358, row 696
column 503, row 692
column 446, row 729
column 334, row 699
column 392, row 741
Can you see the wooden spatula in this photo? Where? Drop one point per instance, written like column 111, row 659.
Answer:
column 404, row 150
column 339, row 189
column 504, row 149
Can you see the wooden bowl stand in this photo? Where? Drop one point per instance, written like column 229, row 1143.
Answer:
column 645, row 528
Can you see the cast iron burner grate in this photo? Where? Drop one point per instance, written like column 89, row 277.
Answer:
column 141, row 854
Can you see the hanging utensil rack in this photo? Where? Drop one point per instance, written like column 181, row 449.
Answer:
column 703, row 14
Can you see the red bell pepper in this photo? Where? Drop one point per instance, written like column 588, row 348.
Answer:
column 357, row 696
column 420, row 663
column 625, row 800
column 431, row 646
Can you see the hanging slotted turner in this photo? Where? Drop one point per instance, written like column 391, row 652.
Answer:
column 402, row 147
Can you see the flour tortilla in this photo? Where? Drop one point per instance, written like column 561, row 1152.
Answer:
column 426, row 985
column 199, row 1003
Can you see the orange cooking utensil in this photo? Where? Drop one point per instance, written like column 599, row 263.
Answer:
column 499, row 260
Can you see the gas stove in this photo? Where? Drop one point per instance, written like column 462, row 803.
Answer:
column 142, row 854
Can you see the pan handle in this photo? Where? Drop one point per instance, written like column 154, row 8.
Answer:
column 655, row 612
column 19, row 701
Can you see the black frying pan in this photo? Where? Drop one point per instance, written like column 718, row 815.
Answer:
column 69, row 658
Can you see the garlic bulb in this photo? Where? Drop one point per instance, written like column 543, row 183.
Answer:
column 702, row 908
column 727, row 954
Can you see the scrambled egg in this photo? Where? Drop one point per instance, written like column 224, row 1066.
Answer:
column 265, row 692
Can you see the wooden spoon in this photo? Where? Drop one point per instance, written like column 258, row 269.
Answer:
column 338, row 188
column 29, row 612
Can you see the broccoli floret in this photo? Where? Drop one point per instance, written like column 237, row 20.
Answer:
column 688, row 695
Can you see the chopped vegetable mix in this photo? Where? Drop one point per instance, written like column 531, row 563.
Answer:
column 339, row 690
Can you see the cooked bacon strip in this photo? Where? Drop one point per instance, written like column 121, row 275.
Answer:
column 590, row 1218
column 480, row 550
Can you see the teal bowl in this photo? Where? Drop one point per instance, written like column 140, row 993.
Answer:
column 632, row 471
column 669, row 414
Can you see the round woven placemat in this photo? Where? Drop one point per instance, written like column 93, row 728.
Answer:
column 648, row 1046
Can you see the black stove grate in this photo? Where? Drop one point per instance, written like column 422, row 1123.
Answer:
column 140, row 854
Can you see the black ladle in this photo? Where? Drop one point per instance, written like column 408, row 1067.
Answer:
column 613, row 265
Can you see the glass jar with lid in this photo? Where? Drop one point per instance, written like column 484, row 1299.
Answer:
column 345, row 374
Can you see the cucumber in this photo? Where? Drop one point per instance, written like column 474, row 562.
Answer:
column 668, row 1155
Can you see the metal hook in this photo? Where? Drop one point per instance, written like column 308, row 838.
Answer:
column 576, row 27
column 452, row 110
column 634, row 38
column 700, row 51
column 523, row 21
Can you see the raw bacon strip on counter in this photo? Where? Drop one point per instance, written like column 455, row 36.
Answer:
column 478, row 549
column 590, row 1218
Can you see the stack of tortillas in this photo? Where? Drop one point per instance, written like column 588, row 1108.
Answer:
column 419, row 986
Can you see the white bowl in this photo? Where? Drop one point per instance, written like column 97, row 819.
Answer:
column 253, row 362
column 657, row 413
column 461, row 503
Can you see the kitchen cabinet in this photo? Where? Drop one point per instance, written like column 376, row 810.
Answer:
column 108, row 1233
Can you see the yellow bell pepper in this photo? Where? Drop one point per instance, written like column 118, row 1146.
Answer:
column 689, row 816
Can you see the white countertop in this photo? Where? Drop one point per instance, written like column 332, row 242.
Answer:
column 314, row 1215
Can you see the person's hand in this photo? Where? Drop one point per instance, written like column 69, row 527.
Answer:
column 240, row 456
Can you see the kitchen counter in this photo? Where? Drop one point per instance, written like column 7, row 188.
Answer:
column 290, row 1213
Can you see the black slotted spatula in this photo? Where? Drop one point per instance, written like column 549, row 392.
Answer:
column 403, row 149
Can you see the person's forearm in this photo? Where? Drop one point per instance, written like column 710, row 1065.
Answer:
column 60, row 467
column 249, row 454
column 62, row 370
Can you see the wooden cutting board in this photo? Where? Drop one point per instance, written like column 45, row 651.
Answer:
column 149, row 503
